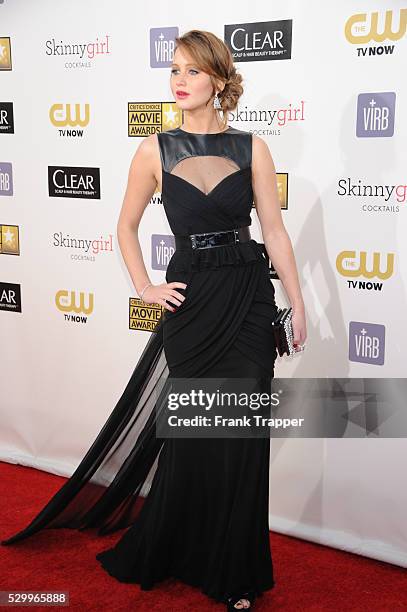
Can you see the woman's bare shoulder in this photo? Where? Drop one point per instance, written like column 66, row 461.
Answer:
column 260, row 150
column 259, row 142
column 148, row 150
column 149, row 145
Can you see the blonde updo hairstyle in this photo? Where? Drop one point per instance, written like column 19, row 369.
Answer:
column 212, row 56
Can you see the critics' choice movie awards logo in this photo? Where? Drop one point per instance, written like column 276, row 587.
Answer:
column 144, row 317
column 261, row 41
column 162, row 249
column 5, row 53
column 145, row 118
column 372, row 29
column 366, row 342
column 74, row 182
column 70, row 118
column 384, row 196
column 9, row 240
column 10, row 297
column 375, row 115
column 6, row 179
column 78, row 54
column 162, row 44
column 6, row 118
column 370, row 266
column 75, row 305
column 83, row 249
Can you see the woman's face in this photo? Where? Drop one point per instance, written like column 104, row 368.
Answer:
column 190, row 86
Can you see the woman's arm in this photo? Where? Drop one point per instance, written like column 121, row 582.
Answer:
column 141, row 185
column 275, row 236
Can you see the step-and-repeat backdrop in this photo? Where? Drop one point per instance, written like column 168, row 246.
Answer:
column 81, row 85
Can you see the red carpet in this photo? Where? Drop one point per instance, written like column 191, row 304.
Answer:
column 308, row 576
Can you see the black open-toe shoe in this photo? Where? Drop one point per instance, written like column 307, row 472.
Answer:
column 249, row 595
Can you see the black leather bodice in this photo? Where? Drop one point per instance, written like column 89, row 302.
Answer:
column 177, row 144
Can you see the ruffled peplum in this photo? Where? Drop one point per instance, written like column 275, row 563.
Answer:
column 239, row 254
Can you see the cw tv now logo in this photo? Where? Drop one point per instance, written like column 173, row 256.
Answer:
column 70, row 119
column 75, row 305
column 367, row 265
column 368, row 29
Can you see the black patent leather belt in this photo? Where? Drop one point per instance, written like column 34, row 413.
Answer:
column 213, row 239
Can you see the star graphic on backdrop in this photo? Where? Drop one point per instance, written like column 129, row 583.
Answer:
column 171, row 115
column 9, row 236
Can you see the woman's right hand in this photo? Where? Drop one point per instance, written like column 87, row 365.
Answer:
column 157, row 294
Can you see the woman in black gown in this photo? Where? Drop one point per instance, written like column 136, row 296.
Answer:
column 205, row 518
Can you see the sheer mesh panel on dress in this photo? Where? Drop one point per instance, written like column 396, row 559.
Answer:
column 205, row 172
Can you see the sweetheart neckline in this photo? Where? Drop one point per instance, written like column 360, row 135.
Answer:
column 209, row 194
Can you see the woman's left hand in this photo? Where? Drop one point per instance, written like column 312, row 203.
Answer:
column 299, row 328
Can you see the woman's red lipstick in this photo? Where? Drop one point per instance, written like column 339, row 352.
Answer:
column 181, row 94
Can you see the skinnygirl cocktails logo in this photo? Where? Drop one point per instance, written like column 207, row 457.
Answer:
column 80, row 54
column 373, row 197
column 268, row 121
column 82, row 248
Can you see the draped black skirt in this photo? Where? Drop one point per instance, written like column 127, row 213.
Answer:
column 205, row 518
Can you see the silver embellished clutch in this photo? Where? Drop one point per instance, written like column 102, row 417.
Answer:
column 283, row 331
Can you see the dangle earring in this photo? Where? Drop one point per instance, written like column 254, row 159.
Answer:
column 216, row 102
